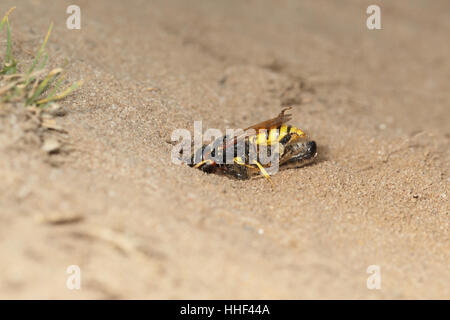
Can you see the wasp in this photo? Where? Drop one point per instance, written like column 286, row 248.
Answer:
column 293, row 149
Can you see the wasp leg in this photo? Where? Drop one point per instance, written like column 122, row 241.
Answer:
column 206, row 162
column 263, row 172
column 206, row 165
column 237, row 171
column 239, row 161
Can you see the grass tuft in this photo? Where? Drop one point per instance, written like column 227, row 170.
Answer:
column 37, row 86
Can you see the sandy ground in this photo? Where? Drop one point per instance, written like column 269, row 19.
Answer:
column 138, row 226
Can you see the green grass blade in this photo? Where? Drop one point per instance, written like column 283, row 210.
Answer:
column 56, row 87
column 44, row 62
column 5, row 18
column 61, row 95
column 44, row 85
column 28, row 87
column 8, row 56
column 41, row 49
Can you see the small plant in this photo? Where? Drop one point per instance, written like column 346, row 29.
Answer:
column 35, row 85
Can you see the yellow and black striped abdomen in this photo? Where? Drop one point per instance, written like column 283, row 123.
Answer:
column 268, row 137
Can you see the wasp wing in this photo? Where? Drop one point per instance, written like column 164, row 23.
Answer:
column 271, row 123
column 268, row 124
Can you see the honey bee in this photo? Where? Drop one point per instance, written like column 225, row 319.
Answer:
column 294, row 149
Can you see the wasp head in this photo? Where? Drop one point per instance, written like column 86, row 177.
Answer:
column 298, row 152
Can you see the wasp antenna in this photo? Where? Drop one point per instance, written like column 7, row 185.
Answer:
column 286, row 109
column 282, row 117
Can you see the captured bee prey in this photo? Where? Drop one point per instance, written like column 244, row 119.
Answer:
column 263, row 148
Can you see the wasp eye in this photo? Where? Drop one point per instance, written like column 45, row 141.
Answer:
column 312, row 147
